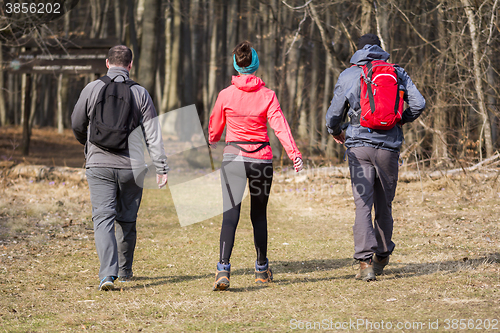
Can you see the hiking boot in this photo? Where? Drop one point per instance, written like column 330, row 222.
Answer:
column 263, row 273
column 222, row 277
column 125, row 278
column 379, row 264
column 107, row 283
column 366, row 270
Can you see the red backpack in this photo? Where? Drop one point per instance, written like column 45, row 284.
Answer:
column 381, row 99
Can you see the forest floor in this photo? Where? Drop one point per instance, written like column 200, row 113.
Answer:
column 47, row 147
column 444, row 274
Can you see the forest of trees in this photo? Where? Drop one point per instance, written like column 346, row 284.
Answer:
column 182, row 55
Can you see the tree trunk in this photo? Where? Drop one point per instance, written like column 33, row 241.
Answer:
column 291, row 74
column 118, row 20
column 381, row 16
column 26, row 115
column 313, row 99
column 10, row 116
column 16, row 102
column 139, row 15
column 187, row 69
column 60, row 119
column 104, row 25
column 194, row 28
column 329, row 63
column 301, row 110
column 67, row 24
column 173, row 95
column 232, row 34
column 34, row 102
column 327, row 93
column 492, row 101
column 44, row 101
column 147, row 61
column 158, row 101
column 223, row 51
column 212, row 66
column 486, row 128
column 168, row 60
column 269, row 47
column 302, row 130
column 133, row 34
column 366, row 16
column 439, row 144
column 23, row 97
column 96, row 16
column 3, row 111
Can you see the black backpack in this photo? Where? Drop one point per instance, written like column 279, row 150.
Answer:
column 114, row 117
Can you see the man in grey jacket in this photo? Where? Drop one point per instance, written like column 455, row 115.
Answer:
column 114, row 192
column 373, row 158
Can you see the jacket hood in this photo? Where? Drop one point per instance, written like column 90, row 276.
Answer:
column 369, row 53
column 247, row 82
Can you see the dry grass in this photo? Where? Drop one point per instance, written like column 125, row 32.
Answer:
column 445, row 266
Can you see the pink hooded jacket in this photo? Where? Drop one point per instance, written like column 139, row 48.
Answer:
column 245, row 107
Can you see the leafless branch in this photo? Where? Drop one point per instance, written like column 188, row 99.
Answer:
column 415, row 29
column 296, row 8
column 297, row 33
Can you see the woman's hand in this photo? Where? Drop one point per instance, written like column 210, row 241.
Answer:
column 213, row 145
column 298, row 164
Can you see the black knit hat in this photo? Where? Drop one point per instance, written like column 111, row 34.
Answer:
column 368, row 39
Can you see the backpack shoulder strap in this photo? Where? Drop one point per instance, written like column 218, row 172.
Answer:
column 106, row 79
column 367, row 77
column 131, row 83
column 128, row 82
column 137, row 115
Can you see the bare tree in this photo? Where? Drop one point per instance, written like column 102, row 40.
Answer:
column 366, row 16
column 486, row 126
column 175, row 54
column 147, row 60
column 3, row 110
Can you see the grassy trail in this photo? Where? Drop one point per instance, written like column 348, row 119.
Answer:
column 445, row 266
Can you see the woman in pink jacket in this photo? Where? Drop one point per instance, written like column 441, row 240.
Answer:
column 245, row 107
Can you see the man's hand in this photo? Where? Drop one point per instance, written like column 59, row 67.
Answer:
column 339, row 138
column 161, row 180
column 298, row 164
column 213, row 145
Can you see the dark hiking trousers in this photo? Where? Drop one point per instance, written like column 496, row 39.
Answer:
column 115, row 198
column 374, row 176
column 260, row 177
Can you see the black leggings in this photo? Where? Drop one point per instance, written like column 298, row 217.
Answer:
column 234, row 177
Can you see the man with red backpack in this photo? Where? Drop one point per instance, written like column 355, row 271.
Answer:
column 372, row 93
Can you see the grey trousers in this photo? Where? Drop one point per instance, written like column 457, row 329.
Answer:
column 374, row 177
column 115, row 199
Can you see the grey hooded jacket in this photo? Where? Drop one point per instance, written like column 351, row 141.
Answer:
column 347, row 98
column 97, row 157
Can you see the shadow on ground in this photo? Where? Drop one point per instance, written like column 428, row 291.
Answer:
column 393, row 271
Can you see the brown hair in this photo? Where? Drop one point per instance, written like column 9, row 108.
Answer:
column 243, row 54
column 120, row 55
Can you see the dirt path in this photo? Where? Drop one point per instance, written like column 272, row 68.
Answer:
column 47, row 147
